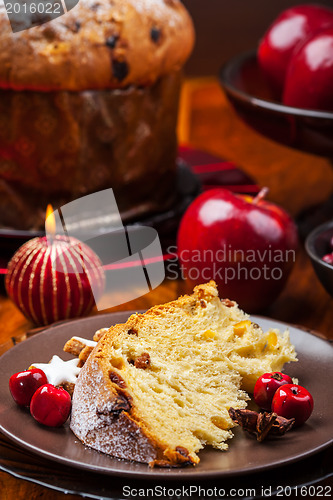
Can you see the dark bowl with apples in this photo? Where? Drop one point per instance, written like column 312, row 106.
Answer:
column 319, row 247
column 256, row 102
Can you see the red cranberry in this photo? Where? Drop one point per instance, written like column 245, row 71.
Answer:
column 293, row 401
column 266, row 386
column 50, row 405
column 23, row 385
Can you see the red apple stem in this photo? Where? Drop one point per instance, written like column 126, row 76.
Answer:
column 261, row 195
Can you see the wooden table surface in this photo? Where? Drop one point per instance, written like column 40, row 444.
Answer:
column 296, row 181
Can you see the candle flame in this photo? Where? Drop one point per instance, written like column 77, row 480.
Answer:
column 50, row 223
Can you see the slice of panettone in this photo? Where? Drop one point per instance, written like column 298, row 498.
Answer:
column 157, row 389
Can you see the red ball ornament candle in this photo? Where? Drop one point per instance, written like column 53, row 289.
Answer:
column 52, row 279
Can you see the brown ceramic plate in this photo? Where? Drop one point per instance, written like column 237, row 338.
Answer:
column 245, row 455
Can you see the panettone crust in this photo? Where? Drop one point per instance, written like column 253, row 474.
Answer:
column 99, row 44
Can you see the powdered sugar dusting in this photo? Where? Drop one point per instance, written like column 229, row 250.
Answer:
column 84, row 417
column 90, row 424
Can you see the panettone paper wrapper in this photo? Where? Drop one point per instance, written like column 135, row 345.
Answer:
column 59, row 146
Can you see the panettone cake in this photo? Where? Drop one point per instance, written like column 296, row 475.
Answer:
column 89, row 101
column 158, row 388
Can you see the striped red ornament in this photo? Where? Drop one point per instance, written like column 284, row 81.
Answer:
column 52, row 280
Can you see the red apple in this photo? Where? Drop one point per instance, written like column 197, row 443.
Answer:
column 50, row 405
column 290, row 28
column 23, row 385
column 293, row 401
column 309, row 80
column 247, row 245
